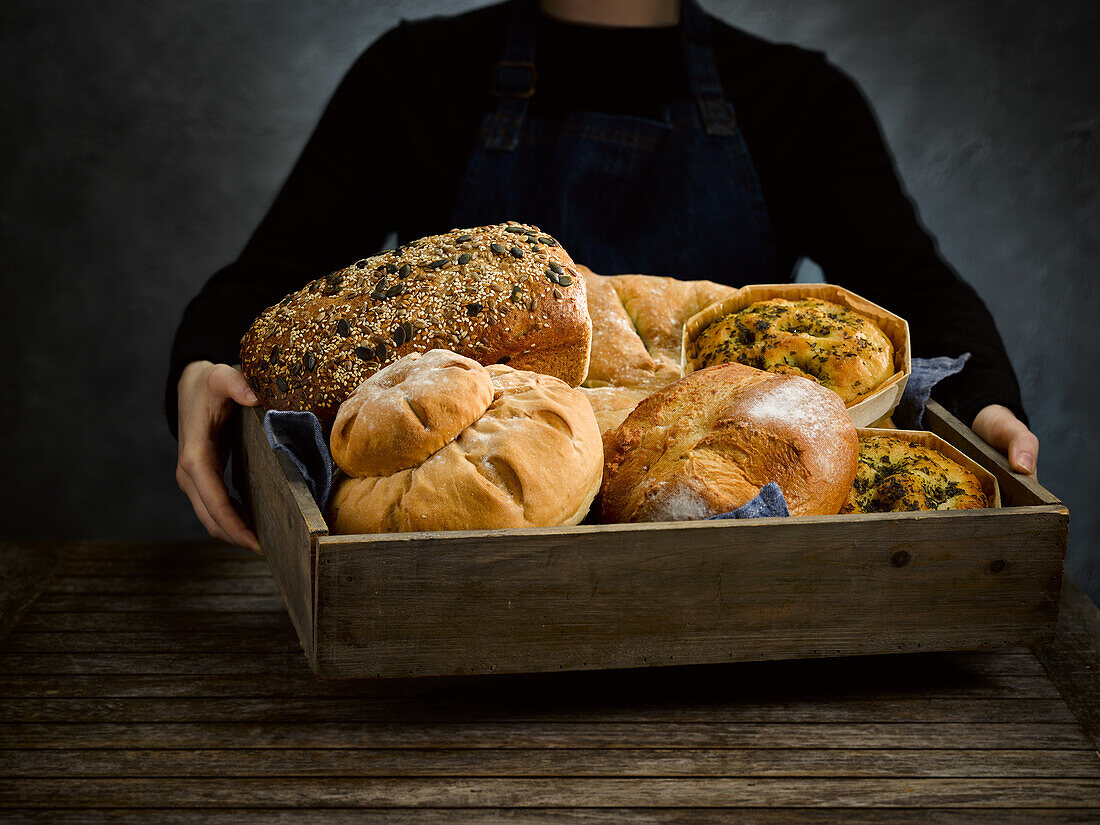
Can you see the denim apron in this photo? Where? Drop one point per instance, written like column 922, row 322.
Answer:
column 677, row 197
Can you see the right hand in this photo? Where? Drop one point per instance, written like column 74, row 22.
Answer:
column 207, row 394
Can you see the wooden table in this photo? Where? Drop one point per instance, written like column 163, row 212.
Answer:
column 157, row 682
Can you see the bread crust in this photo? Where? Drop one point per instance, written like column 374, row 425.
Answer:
column 834, row 345
column 895, row 475
column 503, row 293
column 532, row 458
column 637, row 325
column 706, row 444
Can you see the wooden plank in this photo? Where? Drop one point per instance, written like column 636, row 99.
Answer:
column 897, row 677
column 162, row 585
column 226, row 639
column 335, row 709
column 185, row 623
column 637, row 762
column 758, row 680
column 1073, row 657
column 1017, row 490
column 157, row 566
column 152, row 663
column 980, row 736
column 168, row 552
column 287, row 522
column 510, row 601
column 560, row 816
column 554, row 792
column 25, row 569
column 156, row 602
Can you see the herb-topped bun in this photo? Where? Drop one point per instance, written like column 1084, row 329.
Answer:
column 835, row 346
column 444, row 443
column 895, row 475
column 497, row 294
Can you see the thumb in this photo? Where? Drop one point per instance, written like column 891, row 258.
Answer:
column 236, row 386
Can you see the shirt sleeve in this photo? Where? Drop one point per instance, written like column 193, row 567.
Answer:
column 334, row 207
column 864, row 232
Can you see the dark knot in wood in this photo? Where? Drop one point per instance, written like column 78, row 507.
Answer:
column 997, row 565
column 900, row 558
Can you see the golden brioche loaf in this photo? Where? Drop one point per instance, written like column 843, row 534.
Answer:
column 831, row 344
column 706, row 444
column 525, row 454
column 895, row 475
column 506, row 293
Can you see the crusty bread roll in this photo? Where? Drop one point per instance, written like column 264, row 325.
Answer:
column 895, row 475
column 527, row 454
column 637, row 325
column 706, row 444
column 497, row 294
column 832, row 344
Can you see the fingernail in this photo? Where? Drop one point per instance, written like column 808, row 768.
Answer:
column 251, row 397
column 1027, row 461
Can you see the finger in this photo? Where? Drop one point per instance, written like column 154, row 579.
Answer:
column 1023, row 450
column 212, row 527
column 203, row 466
column 231, row 383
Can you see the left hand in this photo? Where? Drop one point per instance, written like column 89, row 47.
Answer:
column 1002, row 430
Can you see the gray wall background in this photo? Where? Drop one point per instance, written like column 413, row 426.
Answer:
column 142, row 142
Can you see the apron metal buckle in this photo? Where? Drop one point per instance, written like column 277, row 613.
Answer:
column 514, row 79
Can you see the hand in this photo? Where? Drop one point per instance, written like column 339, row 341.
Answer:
column 207, row 393
column 1002, row 430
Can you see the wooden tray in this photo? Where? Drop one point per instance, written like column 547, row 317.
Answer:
column 626, row 595
column 866, row 411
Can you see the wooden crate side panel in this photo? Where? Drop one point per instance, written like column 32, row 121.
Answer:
column 1016, row 490
column 692, row 593
column 288, row 539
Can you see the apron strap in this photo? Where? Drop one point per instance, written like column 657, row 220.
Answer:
column 514, row 75
column 715, row 111
column 514, row 78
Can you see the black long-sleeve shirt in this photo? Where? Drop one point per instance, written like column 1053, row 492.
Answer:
column 390, row 152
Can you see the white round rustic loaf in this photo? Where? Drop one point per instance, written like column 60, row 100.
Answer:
column 448, row 444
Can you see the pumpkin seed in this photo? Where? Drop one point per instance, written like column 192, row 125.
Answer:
column 396, row 289
column 464, row 238
column 281, row 382
column 516, row 252
column 343, row 328
column 436, row 264
column 464, row 258
column 498, row 249
column 398, row 336
column 565, row 280
column 554, row 265
column 381, row 351
column 309, row 362
column 403, row 272
column 274, row 358
column 473, row 309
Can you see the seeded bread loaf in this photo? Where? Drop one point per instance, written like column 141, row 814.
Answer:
column 498, row 294
column 706, row 444
column 444, row 443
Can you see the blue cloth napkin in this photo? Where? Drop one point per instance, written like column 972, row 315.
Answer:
column 299, row 435
column 769, row 502
column 927, row 372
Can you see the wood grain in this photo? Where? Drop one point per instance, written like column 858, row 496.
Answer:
column 287, row 522
column 513, row 601
column 552, row 792
column 625, row 762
